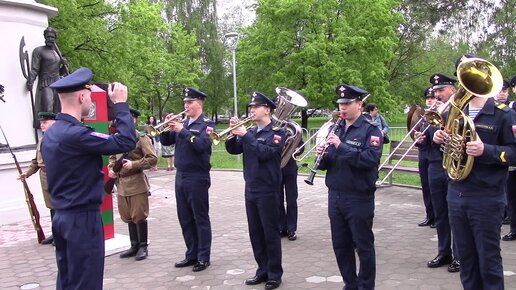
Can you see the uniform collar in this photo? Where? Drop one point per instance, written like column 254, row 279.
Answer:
column 199, row 119
column 358, row 122
column 488, row 108
column 68, row 118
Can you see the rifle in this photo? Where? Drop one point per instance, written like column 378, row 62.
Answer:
column 110, row 183
column 29, row 198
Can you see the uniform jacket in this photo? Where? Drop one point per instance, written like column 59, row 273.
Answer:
column 262, row 158
column 496, row 126
column 37, row 162
column 193, row 146
column 73, row 156
column 353, row 166
column 134, row 181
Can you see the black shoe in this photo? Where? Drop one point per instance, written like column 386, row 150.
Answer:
column 185, row 263
column 142, row 253
column 511, row 236
column 292, row 236
column 255, row 280
column 272, row 284
column 425, row 223
column 48, row 240
column 201, row 265
column 454, row 266
column 129, row 253
column 439, row 261
column 283, row 234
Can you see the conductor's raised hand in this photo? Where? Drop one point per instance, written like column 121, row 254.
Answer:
column 117, row 92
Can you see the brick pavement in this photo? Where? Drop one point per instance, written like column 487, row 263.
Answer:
column 402, row 247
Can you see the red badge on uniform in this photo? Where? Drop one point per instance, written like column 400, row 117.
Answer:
column 209, row 130
column 276, row 139
column 375, row 141
column 514, row 130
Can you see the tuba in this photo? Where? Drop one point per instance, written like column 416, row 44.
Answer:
column 477, row 78
column 287, row 101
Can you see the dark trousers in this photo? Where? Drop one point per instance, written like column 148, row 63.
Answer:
column 476, row 223
column 193, row 213
column 438, row 179
column 511, row 198
column 79, row 242
column 262, row 220
column 351, row 221
column 425, row 185
column 288, row 192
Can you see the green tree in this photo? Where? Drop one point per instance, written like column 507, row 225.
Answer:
column 312, row 46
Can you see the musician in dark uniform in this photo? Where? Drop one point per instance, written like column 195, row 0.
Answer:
column 444, row 89
column 133, row 190
column 48, row 67
column 423, row 145
column 476, row 203
column 351, row 161
column 46, row 120
column 192, row 160
column 289, row 193
column 511, row 180
column 73, row 158
column 261, row 147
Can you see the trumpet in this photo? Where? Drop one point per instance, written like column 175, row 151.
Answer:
column 154, row 131
column 226, row 134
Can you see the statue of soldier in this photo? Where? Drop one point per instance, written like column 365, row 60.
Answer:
column 48, row 65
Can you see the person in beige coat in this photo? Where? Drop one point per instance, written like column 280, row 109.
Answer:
column 132, row 191
column 46, row 119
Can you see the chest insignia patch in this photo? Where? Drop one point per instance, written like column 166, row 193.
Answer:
column 209, row 130
column 193, row 130
column 353, row 142
column 375, row 141
column 99, row 135
column 485, row 127
column 276, row 139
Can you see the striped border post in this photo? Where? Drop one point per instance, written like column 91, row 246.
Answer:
column 98, row 119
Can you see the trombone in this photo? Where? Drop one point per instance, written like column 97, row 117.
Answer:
column 433, row 117
column 154, row 131
column 226, row 134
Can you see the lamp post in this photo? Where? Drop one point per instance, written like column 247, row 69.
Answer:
column 232, row 37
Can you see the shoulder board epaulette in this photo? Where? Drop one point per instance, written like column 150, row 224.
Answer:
column 99, row 135
column 275, row 128
column 206, row 120
column 503, row 107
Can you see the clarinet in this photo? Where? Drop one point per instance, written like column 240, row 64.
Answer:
column 313, row 170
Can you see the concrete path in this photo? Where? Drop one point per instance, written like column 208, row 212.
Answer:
column 402, row 247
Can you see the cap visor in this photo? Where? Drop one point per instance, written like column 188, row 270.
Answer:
column 345, row 101
column 189, row 99
column 439, row 86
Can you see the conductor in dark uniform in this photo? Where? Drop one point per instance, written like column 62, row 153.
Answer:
column 73, row 158
column 193, row 152
column 423, row 145
column 351, row 159
column 261, row 147
column 476, row 204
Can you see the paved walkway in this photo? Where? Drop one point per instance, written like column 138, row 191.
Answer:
column 402, row 247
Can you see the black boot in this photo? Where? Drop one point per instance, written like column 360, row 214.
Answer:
column 49, row 239
column 142, row 238
column 133, row 236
